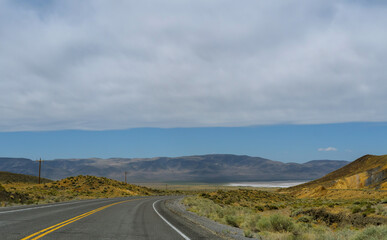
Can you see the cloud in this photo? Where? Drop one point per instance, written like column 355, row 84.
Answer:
column 328, row 149
column 190, row 63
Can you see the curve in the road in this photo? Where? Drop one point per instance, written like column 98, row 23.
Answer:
column 140, row 218
column 55, row 227
column 170, row 224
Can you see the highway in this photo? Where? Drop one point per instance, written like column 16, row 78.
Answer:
column 116, row 218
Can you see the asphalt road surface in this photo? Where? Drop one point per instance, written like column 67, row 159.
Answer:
column 117, row 218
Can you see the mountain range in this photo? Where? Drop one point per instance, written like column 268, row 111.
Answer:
column 204, row 168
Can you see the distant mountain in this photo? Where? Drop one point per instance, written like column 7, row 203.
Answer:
column 205, row 168
column 367, row 172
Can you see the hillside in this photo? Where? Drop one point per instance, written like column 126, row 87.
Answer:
column 366, row 172
column 205, row 168
column 366, row 176
column 79, row 187
column 92, row 186
column 7, row 177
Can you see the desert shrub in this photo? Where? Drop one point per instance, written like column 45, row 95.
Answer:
column 368, row 209
column 345, row 233
column 356, row 209
column 205, row 195
column 250, row 222
column 372, row 233
column 276, row 223
column 296, row 211
column 235, row 216
column 205, row 207
column 259, row 208
column 248, row 233
column 359, row 202
column 281, row 223
column 331, row 205
column 312, row 223
column 320, row 214
column 232, row 220
column 304, row 219
column 264, row 224
column 380, row 210
column 248, row 198
column 271, row 206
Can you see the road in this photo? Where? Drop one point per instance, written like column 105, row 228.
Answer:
column 119, row 218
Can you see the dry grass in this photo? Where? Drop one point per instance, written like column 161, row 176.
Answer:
column 277, row 225
column 255, row 199
column 199, row 187
column 280, row 216
column 80, row 187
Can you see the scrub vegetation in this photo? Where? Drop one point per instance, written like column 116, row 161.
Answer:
column 71, row 188
column 349, row 203
column 194, row 187
column 279, row 216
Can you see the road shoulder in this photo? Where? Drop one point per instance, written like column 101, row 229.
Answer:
column 216, row 229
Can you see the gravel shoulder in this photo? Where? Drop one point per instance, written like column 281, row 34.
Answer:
column 223, row 231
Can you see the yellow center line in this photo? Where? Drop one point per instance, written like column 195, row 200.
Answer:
column 55, row 227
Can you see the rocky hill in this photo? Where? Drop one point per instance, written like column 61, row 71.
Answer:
column 366, row 176
column 79, row 187
column 205, row 168
column 366, row 172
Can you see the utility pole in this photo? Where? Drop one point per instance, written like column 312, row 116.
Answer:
column 40, row 167
column 166, row 187
column 125, row 175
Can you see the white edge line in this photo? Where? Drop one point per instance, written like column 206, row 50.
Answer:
column 165, row 220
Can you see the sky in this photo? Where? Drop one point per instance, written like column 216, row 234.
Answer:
column 177, row 71
column 286, row 143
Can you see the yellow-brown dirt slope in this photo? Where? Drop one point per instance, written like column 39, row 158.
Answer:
column 80, row 187
column 363, row 177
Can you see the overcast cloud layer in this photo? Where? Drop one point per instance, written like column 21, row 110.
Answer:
column 179, row 63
